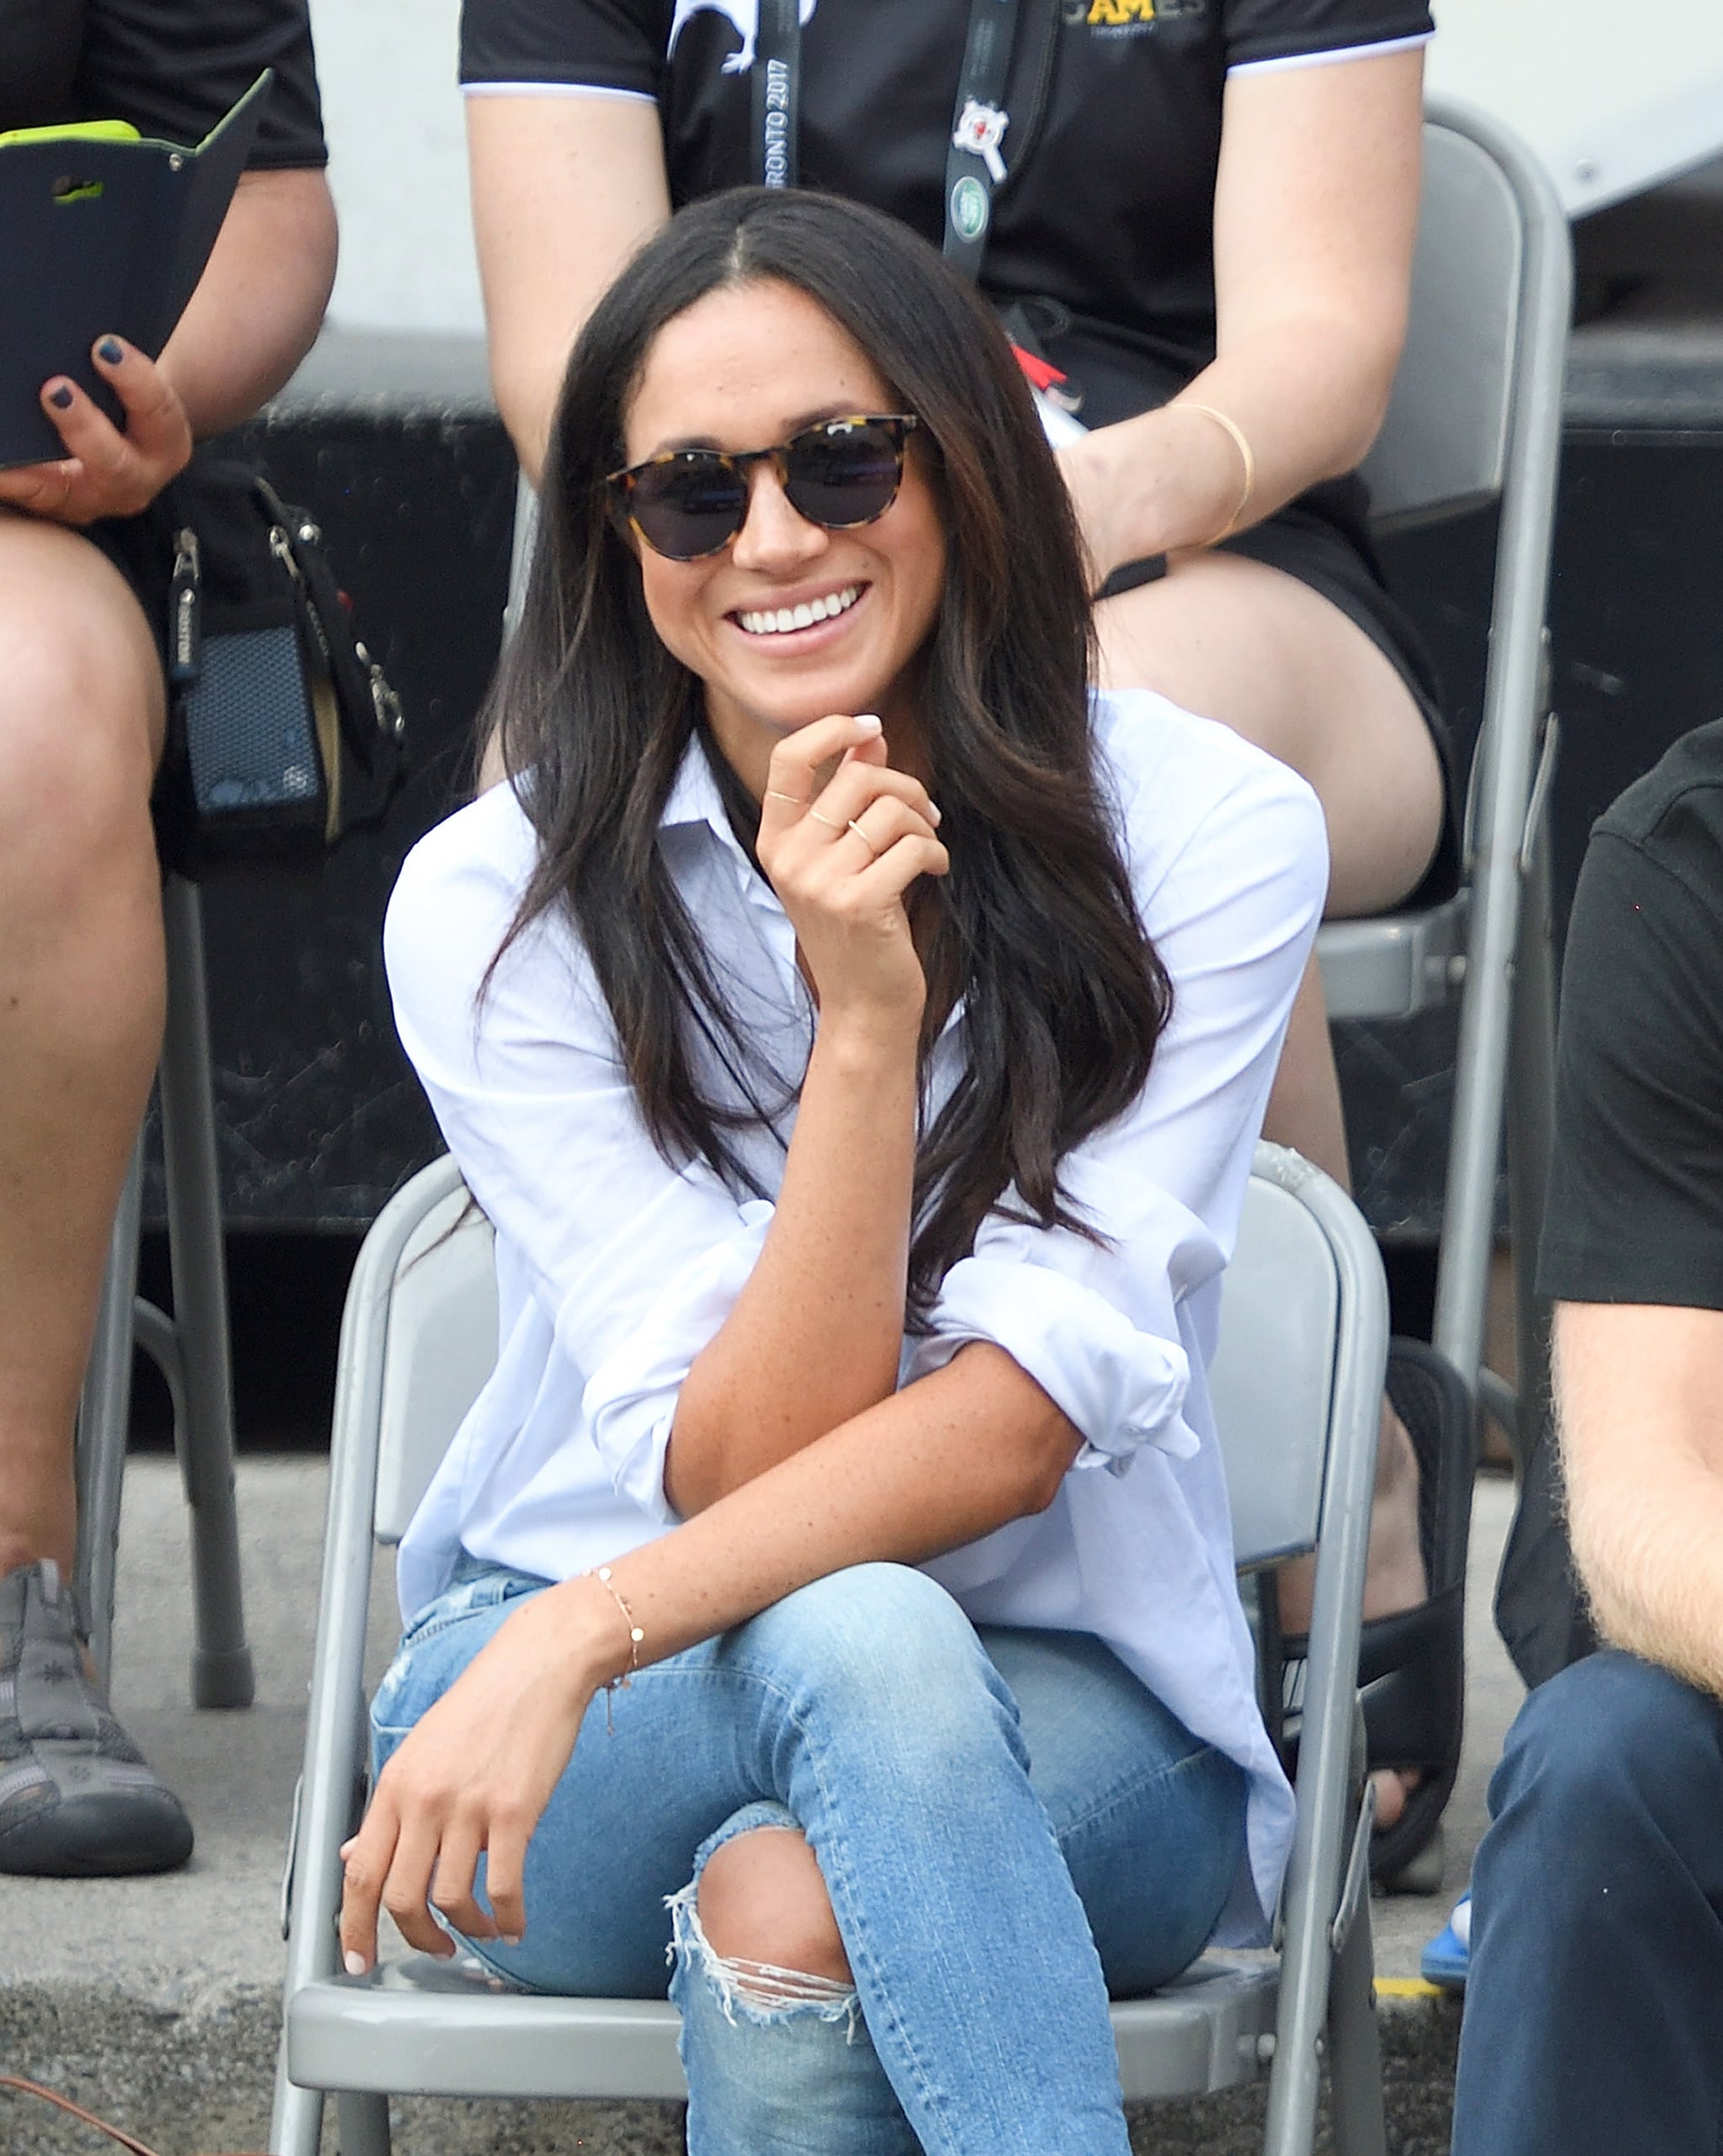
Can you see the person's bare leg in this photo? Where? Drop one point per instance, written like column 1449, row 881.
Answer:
column 81, row 988
column 763, row 1902
column 1235, row 641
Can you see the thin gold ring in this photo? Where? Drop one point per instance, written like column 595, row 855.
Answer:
column 862, row 836
column 826, row 820
column 795, row 799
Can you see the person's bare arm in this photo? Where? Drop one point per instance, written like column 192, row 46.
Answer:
column 565, row 189
column 251, row 320
column 1638, row 1400
column 259, row 304
column 1315, row 210
column 816, row 1333
column 945, row 1461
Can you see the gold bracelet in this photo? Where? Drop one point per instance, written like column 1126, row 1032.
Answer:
column 636, row 1636
column 1247, row 456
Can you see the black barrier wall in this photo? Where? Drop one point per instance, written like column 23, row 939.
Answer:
column 414, row 485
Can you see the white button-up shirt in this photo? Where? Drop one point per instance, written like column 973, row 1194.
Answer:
column 614, row 1268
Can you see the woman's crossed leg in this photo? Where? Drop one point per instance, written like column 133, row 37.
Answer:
column 866, row 1830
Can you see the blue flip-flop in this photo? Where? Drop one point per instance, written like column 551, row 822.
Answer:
column 1446, row 1960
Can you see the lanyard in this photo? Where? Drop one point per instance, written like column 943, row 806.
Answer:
column 974, row 165
column 777, row 89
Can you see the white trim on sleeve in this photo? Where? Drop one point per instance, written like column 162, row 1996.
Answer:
column 554, row 90
column 1327, row 59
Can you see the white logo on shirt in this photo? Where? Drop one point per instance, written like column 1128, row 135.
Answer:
column 744, row 14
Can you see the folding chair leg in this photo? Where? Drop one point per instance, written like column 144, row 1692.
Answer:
column 297, row 2127
column 363, row 2124
column 221, row 1662
column 103, row 1416
column 1354, row 2047
column 1531, row 1087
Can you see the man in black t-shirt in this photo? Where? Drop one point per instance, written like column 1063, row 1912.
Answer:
column 84, row 594
column 1594, row 2001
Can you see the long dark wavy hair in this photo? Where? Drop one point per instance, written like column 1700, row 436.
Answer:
column 1035, row 926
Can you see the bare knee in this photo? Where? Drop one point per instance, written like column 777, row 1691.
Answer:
column 761, row 1899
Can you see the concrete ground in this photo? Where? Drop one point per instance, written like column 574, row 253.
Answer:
column 155, row 2002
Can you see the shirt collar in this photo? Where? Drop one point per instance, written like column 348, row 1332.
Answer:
column 695, row 799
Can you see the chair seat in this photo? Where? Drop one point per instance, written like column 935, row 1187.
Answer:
column 1200, row 2033
column 1395, row 964
column 424, row 2025
column 419, row 2025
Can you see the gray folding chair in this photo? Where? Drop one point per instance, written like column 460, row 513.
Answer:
column 190, row 1347
column 1476, row 418
column 1296, row 1385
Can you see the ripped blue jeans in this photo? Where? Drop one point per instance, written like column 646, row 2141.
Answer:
column 1009, row 1826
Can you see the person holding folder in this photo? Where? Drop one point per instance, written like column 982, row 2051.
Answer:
column 84, row 578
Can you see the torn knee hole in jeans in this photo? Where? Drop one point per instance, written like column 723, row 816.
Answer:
column 757, row 1992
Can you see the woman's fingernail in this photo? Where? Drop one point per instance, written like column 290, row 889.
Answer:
column 510, row 1938
column 111, row 349
column 60, row 398
column 869, row 722
column 355, row 1962
column 933, row 811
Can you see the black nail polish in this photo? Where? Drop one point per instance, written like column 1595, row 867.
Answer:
column 61, row 399
column 111, row 350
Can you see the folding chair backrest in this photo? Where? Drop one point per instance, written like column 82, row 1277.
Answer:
column 1272, row 1379
column 1442, row 447
column 440, row 1347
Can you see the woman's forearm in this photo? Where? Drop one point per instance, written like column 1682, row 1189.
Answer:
column 1308, row 400
column 816, row 1336
column 947, row 1461
column 1315, row 213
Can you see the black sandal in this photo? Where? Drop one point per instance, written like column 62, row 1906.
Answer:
column 1411, row 1665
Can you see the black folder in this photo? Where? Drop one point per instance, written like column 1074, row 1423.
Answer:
column 99, row 235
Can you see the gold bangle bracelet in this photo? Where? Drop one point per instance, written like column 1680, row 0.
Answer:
column 1246, row 454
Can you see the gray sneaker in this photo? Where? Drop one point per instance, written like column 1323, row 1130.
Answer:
column 77, row 1800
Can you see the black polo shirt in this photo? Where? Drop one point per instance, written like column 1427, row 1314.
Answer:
column 172, row 67
column 1106, row 209
column 1635, row 1204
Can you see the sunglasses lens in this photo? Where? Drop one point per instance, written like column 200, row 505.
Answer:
column 839, row 477
column 689, row 506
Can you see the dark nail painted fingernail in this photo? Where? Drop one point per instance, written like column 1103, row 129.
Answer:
column 61, row 399
column 111, row 349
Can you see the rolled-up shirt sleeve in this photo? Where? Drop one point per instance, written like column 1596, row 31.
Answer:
column 636, row 1262
column 1096, row 1323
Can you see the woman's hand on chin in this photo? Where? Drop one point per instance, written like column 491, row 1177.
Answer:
column 840, row 857
column 474, row 1777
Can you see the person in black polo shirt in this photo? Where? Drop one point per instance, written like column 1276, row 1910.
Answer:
column 1205, row 224
column 83, row 595
column 1595, row 1992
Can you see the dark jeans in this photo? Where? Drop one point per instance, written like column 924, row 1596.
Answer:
column 1594, row 2000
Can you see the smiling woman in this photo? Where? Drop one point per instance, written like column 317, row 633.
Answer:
column 791, row 617
column 857, row 1033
